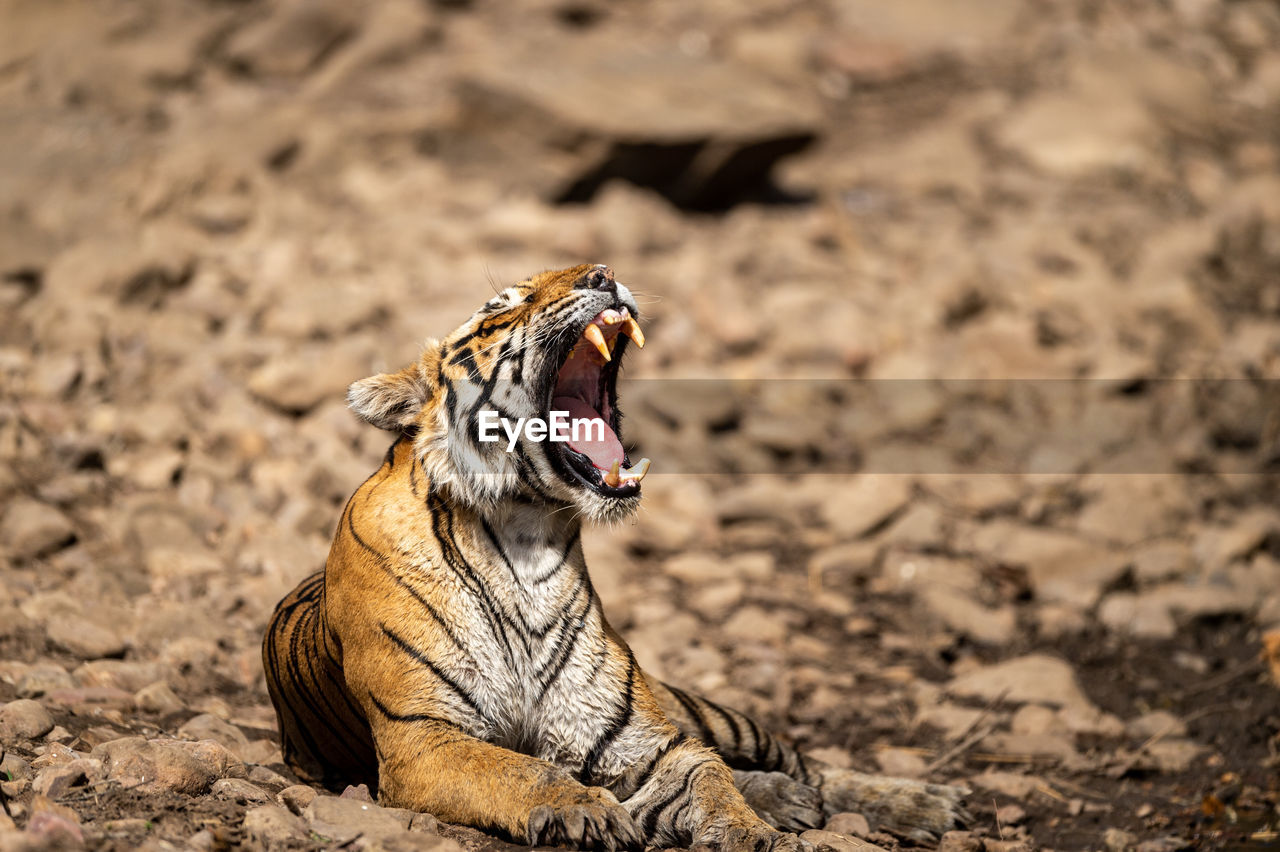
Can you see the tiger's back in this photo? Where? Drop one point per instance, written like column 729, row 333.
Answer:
column 324, row 737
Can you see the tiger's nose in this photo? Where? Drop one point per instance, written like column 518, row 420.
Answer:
column 599, row 278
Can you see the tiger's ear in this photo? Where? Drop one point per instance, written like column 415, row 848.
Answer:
column 390, row 401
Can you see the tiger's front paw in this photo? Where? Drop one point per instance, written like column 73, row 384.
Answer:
column 592, row 819
column 758, row 837
column 915, row 809
column 780, row 800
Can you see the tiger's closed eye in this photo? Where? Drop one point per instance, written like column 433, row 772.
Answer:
column 504, row 301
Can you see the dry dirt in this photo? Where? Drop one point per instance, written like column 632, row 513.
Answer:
column 215, row 214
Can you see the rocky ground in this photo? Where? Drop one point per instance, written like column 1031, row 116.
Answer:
column 1058, row 591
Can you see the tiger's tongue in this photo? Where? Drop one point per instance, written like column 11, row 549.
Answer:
column 602, row 453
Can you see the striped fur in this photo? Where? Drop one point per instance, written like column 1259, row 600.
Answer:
column 453, row 653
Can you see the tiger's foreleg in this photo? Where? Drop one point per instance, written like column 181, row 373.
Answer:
column 795, row 792
column 431, row 765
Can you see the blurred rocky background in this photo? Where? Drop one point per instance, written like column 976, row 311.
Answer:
column 215, row 214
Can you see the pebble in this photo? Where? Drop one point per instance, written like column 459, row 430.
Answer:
column 297, row 797
column 30, row 529
column 838, row 842
column 56, row 781
column 206, row 726
column 42, row 678
column 849, row 824
column 24, row 719
column 1036, row 678
column 240, row 790
column 158, row 698
column 1119, row 840
column 56, row 825
column 865, row 503
column 959, row 841
column 85, row 639
column 343, row 820
column 274, row 827
column 126, row 675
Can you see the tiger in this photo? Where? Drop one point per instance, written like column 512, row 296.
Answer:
column 454, row 656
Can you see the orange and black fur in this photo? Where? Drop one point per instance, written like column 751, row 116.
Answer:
column 453, row 654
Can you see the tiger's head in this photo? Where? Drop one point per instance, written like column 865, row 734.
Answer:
column 549, row 345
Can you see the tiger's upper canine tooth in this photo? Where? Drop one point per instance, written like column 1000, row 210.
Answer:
column 637, row 471
column 631, row 329
column 596, row 336
column 612, row 479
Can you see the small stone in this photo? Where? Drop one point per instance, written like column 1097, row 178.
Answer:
column 991, row 844
column 838, row 842
column 696, row 568
column 1163, row 844
column 24, row 719
column 31, row 529
column 240, row 790
column 293, row 39
column 298, row 384
column 99, row 734
column 297, row 797
column 866, row 503
column 343, row 820
column 753, row 624
column 84, row 700
column 84, row 639
column 1159, row 723
column 59, row 734
column 206, row 726
column 904, row 763
column 55, row 754
column 266, row 777
column 1119, row 840
column 128, row 675
column 969, row 618
column 833, row 755
column 425, row 823
column 216, row 756
column 57, row 826
column 203, row 841
column 273, row 827
column 1037, row 678
column 1036, row 719
column 42, row 678
column 1143, row 616
column 959, row 841
column 358, row 792
column 849, row 824
column 263, row 751
column 1010, row 814
column 158, row 698
column 57, row 781
column 1172, row 754
column 1010, row 784
column 14, row 767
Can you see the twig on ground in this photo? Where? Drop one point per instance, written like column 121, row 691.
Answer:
column 969, row 737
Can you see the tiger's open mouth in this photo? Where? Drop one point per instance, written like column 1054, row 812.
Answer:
column 586, row 387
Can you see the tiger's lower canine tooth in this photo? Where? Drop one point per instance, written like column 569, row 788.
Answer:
column 631, row 329
column 638, row 471
column 612, row 479
column 596, row 336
